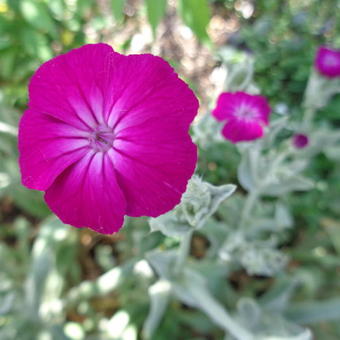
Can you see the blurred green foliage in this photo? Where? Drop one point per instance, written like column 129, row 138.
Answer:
column 87, row 284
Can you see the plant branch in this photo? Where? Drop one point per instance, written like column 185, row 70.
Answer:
column 183, row 252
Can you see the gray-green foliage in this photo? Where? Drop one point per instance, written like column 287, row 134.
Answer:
column 244, row 232
column 199, row 203
column 35, row 307
column 242, row 246
column 247, row 283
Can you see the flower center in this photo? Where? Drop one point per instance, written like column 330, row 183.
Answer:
column 101, row 139
column 245, row 112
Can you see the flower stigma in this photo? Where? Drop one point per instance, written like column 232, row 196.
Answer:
column 101, row 139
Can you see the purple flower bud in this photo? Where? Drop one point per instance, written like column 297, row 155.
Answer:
column 300, row 141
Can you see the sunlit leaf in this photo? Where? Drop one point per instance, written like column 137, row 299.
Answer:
column 156, row 11
column 118, row 9
column 159, row 294
column 196, row 14
column 36, row 14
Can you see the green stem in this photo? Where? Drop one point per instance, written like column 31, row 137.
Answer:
column 183, row 252
column 281, row 157
column 220, row 316
column 248, row 206
column 254, row 194
column 308, row 117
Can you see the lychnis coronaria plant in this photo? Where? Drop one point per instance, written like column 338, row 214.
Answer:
column 106, row 135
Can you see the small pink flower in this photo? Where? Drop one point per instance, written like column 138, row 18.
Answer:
column 245, row 115
column 300, row 141
column 327, row 62
column 106, row 135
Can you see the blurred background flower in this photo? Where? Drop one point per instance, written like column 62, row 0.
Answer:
column 327, row 62
column 245, row 115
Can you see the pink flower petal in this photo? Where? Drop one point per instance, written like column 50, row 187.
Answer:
column 87, row 195
column 70, row 87
column 47, row 147
column 260, row 105
column 153, row 167
column 154, row 154
column 154, row 92
column 229, row 104
column 226, row 105
column 241, row 131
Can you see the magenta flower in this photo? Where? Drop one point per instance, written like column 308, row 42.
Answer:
column 300, row 141
column 245, row 115
column 327, row 62
column 106, row 135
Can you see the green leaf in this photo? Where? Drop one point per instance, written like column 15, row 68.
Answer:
column 169, row 225
column 57, row 333
column 36, row 44
column 57, row 7
column 7, row 303
column 162, row 262
column 332, row 227
column 36, row 280
column 240, row 76
column 43, row 281
column 283, row 218
column 247, row 172
column 192, row 290
column 37, row 14
column 196, row 14
column 312, row 312
column 5, row 30
column 84, row 8
column 287, row 183
column 7, row 63
column 29, row 200
column 249, row 312
column 200, row 201
column 118, row 9
column 101, row 286
column 156, row 10
column 279, row 296
column 159, row 294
